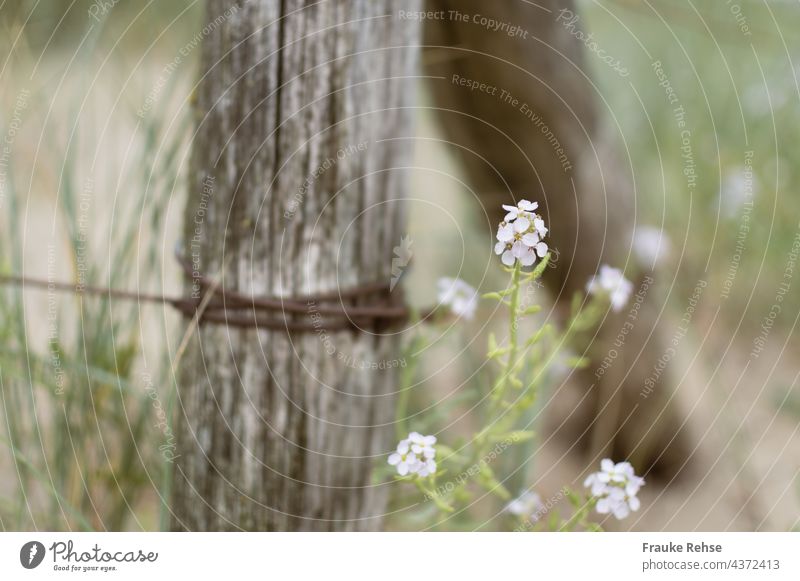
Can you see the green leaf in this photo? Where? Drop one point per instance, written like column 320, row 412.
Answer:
column 594, row 527
column 437, row 500
column 448, row 453
column 491, row 484
column 554, row 520
column 497, row 353
column 574, row 499
column 538, row 335
column 495, row 296
column 578, row 362
column 537, row 272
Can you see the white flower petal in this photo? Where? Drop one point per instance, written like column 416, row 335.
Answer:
column 603, row 506
column 621, row 511
column 528, row 258
column 460, row 297
column 612, row 283
column 505, row 233
column 651, row 245
column 515, row 507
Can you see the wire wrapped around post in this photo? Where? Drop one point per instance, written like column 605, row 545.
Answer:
column 370, row 307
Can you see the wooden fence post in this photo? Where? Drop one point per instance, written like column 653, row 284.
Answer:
column 294, row 190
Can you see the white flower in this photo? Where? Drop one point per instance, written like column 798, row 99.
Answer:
column 611, row 283
column 759, row 102
column 521, row 207
column 738, row 187
column 541, row 229
column 651, row 245
column 505, row 233
column 519, row 236
column 415, row 455
column 403, row 458
column 459, row 296
column 615, row 487
column 528, row 504
column 422, row 446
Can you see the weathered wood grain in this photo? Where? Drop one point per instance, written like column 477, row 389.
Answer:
column 280, row 431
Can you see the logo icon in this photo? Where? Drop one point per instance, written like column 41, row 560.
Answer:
column 403, row 254
column 31, row 554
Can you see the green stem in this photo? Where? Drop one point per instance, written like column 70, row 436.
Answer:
column 511, row 362
column 499, row 389
column 514, row 340
column 402, row 428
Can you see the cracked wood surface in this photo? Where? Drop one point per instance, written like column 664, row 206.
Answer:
column 293, row 191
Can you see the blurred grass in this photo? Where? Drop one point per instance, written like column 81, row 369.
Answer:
column 740, row 93
column 83, row 449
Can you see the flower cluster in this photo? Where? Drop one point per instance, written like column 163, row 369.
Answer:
column 652, row 245
column 615, row 488
column 520, row 236
column 528, row 504
column 415, row 455
column 613, row 284
column 459, row 296
column 737, row 189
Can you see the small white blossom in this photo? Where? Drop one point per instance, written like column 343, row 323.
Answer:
column 611, row 283
column 651, row 245
column 520, row 235
column 738, row 187
column 759, row 102
column 528, row 504
column 459, row 296
column 415, row 455
column 522, row 207
column 615, row 487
